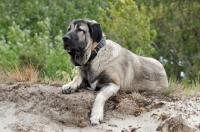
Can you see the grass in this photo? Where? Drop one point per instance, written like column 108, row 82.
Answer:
column 192, row 89
column 27, row 74
column 61, row 77
column 181, row 87
column 3, row 77
column 174, row 87
column 167, row 91
column 30, row 75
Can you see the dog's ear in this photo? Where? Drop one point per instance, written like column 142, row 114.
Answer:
column 95, row 32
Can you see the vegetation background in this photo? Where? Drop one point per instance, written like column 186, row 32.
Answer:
column 31, row 32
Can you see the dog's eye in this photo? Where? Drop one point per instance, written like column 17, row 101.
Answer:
column 81, row 30
column 69, row 28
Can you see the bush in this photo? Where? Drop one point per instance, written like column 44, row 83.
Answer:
column 127, row 24
column 32, row 33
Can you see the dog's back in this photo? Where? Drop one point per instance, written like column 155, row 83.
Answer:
column 137, row 72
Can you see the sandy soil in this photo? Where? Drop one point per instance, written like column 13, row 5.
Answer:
column 43, row 108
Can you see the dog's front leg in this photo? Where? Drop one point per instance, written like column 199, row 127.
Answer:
column 98, row 106
column 72, row 86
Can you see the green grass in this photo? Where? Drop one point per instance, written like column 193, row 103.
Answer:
column 181, row 87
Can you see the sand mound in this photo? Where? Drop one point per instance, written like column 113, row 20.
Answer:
column 49, row 101
column 41, row 107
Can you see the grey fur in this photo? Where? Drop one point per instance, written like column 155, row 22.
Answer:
column 112, row 69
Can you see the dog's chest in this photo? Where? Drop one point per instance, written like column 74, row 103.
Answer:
column 94, row 84
column 90, row 74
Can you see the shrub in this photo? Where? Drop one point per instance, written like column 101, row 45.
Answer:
column 127, row 24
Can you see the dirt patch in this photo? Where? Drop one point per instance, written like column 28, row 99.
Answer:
column 177, row 124
column 49, row 101
column 40, row 107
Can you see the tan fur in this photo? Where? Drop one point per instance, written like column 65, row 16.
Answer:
column 115, row 68
column 133, row 76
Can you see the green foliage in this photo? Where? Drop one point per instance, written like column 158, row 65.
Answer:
column 23, row 49
column 178, row 28
column 31, row 32
column 129, row 25
column 28, row 58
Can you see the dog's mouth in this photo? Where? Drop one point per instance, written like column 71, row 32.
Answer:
column 75, row 55
column 75, row 51
column 69, row 49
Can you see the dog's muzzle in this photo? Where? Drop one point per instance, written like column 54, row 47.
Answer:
column 69, row 47
column 66, row 40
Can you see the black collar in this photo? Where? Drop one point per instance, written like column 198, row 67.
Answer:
column 94, row 52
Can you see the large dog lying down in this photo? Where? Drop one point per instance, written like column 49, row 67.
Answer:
column 105, row 66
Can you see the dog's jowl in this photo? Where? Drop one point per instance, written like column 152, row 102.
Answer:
column 106, row 66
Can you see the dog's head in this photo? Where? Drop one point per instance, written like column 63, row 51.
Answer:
column 81, row 37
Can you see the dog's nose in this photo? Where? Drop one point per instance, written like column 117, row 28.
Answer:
column 66, row 38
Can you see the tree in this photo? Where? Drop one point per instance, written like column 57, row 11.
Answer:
column 178, row 28
column 127, row 24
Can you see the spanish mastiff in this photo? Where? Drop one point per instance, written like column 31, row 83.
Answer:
column 105, row 66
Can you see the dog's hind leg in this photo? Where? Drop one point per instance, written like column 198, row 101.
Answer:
column 105, row 93
column 163, row 83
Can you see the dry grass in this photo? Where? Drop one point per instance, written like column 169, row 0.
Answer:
column 192, row 89
column 176, row 87
column 28, row 74
column 3, row 77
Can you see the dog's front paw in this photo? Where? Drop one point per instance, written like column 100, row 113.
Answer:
column 96, row 119
column 68, row 89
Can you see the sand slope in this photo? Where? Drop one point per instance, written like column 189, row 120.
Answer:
column 43, row 108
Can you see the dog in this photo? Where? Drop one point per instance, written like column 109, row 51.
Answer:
column 106, row 66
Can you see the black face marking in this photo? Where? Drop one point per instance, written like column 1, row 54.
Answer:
column 79, row 34
column 75, row 42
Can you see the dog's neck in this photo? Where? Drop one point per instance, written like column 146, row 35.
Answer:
column 94, row 52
